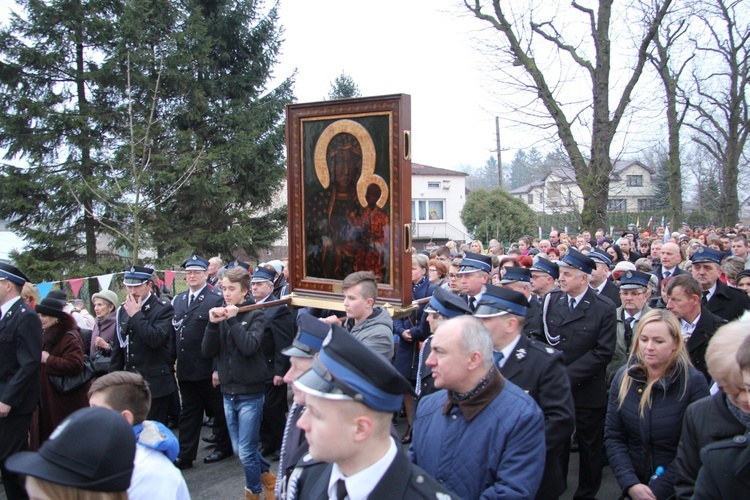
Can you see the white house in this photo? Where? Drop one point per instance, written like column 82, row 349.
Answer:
column 631, row 189
column 438, row 197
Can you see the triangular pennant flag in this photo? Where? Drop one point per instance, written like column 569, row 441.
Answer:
column 75, row 285
column 169, row 278
column 44, row 289
column 104, row 281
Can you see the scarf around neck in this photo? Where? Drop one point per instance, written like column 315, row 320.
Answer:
column 473, row 402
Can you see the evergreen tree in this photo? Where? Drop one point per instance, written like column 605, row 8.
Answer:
column 49, row 122
column 175, row 81
column 226, row 51
column 518, row 170
column 343, row 87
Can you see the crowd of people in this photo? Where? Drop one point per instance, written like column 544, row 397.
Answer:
column 632, row 352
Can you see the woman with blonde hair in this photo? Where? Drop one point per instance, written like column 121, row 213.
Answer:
column 477, row 246
column 647, row 400
column 30, row 294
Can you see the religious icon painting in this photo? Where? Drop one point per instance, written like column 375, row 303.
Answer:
column 349, row 188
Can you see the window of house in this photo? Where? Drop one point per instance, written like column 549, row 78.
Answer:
column 634, row 180
column 530, row 199
column 645, row 204
column 428, row 210
column 433, row 185
column 617, row 205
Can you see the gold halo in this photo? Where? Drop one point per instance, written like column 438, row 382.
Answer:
column 368, row 159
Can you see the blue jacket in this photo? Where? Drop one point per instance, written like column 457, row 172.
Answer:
column 637, row 445
column 498, row 454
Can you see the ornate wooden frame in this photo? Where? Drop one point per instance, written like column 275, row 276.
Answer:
column 342, row 156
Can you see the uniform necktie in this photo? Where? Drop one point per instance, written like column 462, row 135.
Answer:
column 190, row 300
column 341, row 489
column 704, row 300
column 628, row 332
column 473, row 303
column 498, row 358
column 572, row 304
column 666, row 274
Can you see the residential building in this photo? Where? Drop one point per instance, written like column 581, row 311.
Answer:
column 438, row 197
column 631, row 189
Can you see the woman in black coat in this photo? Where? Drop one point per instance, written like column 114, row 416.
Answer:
column 647, row 401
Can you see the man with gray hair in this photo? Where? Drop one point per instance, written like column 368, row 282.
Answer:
column 480, row 436
column 214, row 264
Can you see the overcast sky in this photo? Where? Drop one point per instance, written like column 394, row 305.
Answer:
column 419, row 47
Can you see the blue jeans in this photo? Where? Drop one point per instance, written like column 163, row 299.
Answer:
column 244, row 413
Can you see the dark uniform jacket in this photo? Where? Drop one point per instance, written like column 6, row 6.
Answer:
column 698, row 341
column 539, row 370
column 402, row 480
column 586, row 339
column 279, row 333
column 20, row 359
column 612, row 292
column 726, row 470
column 705, row 422
column 532, row 327
column 149, row 345
column 189, row 325
column 295, row 445
column 729, row 303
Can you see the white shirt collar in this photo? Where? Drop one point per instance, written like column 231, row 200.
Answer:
column 6, row 307
column 689, row 328
column 711, row 292
column 360, row 485
column 508, row 350
column 577, row 297
column 599, row 288
column 670, row 271
column 195, row 294
column 635, row 316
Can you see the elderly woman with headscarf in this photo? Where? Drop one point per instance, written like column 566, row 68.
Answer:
column 62, row 355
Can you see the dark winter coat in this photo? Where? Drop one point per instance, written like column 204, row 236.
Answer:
column 705, row 422
column 237, row 343
column 726, row 470
column 637, row 445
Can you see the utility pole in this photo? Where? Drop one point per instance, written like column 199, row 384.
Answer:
column 499, row 152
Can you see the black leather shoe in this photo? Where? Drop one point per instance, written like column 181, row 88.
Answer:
column 215, row 457
column 182, row 463
column 208, row 422
column 211, row 439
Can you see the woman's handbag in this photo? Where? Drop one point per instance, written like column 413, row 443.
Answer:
column 65, row 384
column 100, row 362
